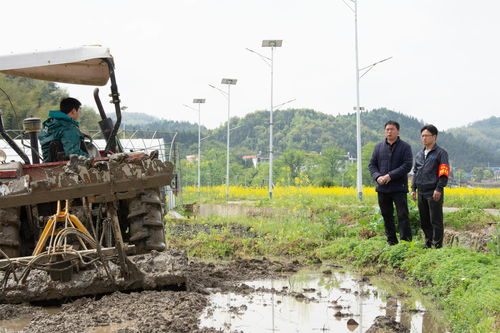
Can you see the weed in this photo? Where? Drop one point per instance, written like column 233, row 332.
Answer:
column 332, row 229
column 468, row 219
column 494, row 243
column 374, row 223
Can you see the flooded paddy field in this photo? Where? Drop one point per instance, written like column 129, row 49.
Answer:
column 243, row 295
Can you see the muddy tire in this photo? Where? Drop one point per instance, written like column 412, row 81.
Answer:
column 10, row 239
column 145, row 218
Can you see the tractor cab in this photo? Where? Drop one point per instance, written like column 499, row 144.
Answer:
column 85, row 65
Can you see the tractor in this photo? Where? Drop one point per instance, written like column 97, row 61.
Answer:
column 70, row 216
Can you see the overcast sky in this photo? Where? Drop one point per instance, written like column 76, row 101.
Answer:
column 444, row 69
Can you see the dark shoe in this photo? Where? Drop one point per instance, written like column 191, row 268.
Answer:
column 392, row 243
column 426, row 246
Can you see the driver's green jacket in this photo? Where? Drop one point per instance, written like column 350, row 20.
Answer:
column 60, row 126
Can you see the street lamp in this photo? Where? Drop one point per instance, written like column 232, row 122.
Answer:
column 198, row 101
column 229, row 82
column 272, row 43
column 358, row 108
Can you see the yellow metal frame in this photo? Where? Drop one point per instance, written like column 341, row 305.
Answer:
column 50, row 228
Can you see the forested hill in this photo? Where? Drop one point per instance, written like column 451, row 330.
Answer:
column 141, row 121
column 485, row 133
column 308, row 130
column 314, row 131
column 304, row 129
column 30, row 98
column 22, row 98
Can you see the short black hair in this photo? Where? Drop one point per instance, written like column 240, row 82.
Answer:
column 430, row 128
column 392, row 122
column 68, row 104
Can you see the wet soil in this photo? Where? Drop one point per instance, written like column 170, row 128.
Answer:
column 188, row 230
column 181, row 311
column 387, row 324
column 149, row 310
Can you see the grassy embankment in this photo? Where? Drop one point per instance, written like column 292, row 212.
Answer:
column 328, row 224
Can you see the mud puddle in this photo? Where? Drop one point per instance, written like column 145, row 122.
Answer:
column 14, row 325
column 277, row 296
column 311, row 301
column 19, row 323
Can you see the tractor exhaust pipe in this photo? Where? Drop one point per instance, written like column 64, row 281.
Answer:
column 33, row 126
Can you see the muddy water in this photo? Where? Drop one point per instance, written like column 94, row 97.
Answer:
column 217, row 300
column 19, row 323
column 315, row 302
column 14, row 325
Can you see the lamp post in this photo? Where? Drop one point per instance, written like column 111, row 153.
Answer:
column 229, row 82
column 358, row 108
column 198, row 101
column 272, row 43
column 359, row 177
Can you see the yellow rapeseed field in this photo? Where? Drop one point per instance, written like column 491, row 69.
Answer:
column 289, row 196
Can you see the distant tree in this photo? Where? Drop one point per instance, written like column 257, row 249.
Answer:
column 459, row 176
column 294, row 159
column 488, row 175
column 332, row 163
column 477, row 174
column 89, row 119
column 366, row 153
column 213, row 167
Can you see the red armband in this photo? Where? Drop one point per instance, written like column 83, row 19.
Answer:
column 444, row 170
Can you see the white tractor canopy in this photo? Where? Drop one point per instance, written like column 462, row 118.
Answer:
column 79, row 65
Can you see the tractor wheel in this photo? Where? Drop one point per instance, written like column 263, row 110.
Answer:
column 10, row 239
column 145, row 218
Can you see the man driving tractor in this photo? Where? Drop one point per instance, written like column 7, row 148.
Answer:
column 61, row 135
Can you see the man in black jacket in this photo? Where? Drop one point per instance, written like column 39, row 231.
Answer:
column 389, row 166
column 430, row 176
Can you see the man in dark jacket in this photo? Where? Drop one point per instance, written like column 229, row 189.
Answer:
column 430, row 176
column 61, row 133
column 389, row 166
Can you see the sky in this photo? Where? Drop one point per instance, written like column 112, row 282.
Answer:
column 443, row 69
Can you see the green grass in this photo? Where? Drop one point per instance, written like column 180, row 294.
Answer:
column 469, row 219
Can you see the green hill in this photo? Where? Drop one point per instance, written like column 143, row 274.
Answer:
column 300, row 129
column 484, row 133
column 308, row 130
column 22, row 98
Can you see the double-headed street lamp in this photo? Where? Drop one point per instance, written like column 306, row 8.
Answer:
column 272, row 43
column 198, row 101
column 227, row 94
column 358, row 108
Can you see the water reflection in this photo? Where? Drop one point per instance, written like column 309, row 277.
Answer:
column 311, row 302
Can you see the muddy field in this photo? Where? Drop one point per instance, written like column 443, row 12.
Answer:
column 161, row 310
column 150, row 310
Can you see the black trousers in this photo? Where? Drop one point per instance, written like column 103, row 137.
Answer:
column 431, row 218
column 386, row 202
